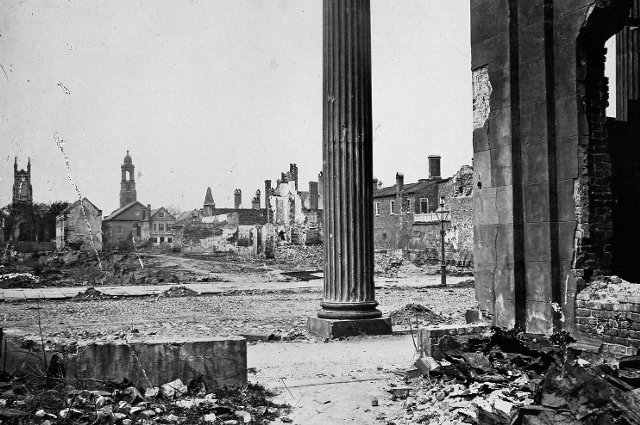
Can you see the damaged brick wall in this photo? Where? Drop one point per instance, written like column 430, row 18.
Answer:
column 594, row 211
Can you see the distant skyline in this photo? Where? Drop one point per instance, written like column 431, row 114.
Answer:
column 222, row 93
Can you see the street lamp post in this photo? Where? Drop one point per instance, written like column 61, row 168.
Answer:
column 443, row 215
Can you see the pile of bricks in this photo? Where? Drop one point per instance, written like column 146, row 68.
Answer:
column 612, row 316
column 432, row 340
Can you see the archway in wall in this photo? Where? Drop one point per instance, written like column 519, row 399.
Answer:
column 610, row 176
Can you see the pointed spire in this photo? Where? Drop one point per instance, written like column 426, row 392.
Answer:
column 208, row 198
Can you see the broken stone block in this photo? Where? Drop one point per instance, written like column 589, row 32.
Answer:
column 174, row 389
column 400, row 392
column 244, row 415
column 426, row 365
column 472, row 315
column 210, row 417
column 152, row 392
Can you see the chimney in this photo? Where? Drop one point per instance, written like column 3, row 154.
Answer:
column 434, row 167
column 255, row 202
column 313, row 196
column 293, row 172
column 399, row 183
column 237, row 198
column 399, row 190
column 267, row 192
column 375, row 184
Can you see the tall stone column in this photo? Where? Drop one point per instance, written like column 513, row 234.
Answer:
column 347, row 172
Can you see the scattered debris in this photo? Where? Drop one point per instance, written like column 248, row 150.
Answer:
column 415, row 314
column 513, row 378
column 178, row 291
column 123, row 404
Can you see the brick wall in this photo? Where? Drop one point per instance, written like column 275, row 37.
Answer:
column 610, row 312
column 595, row 227
column 386, row 226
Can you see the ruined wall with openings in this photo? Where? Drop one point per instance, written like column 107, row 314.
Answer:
column 541, row 170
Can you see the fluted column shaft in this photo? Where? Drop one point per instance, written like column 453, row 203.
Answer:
column 347, row 162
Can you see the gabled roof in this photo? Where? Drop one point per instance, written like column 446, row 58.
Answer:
column 119, row 211
column 185, row 215
column 76, row 203
column 157, row 210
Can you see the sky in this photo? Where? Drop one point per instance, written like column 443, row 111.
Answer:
column 219, row 93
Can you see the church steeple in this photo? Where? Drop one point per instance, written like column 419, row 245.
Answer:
column 209, row 204
column 128, row 183
column 22, row 190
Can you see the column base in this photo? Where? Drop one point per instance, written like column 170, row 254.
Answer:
column 331, row 328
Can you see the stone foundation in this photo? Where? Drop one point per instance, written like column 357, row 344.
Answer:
column 328, row 328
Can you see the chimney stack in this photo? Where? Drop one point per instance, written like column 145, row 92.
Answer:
column 293, row 172
column 399, row 190
column 434, row 167
column 399, row 183
column 313, row 196
column 375, row 184
column 237, row 198
column 255, row 202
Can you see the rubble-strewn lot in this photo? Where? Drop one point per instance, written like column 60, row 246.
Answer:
column 68, row 403
column 73, row 268
column 510, row 378
column 283, row 313
column 155, row 266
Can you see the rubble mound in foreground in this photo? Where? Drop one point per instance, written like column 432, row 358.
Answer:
column 507, row 377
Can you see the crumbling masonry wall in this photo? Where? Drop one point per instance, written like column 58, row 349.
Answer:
column 540, row 170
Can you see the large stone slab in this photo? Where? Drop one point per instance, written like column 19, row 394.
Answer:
column 329, row 328
column 148, row 363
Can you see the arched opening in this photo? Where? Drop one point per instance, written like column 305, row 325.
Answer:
column 609, row 187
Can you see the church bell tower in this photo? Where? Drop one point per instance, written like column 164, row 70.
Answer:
column 128, row 182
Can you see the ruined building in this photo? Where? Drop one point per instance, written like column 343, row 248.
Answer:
column 79, row 227
column 22, row 189
column 213, row 229
column 25, row 225
column 404, row 215
column 555, row 180
column 394, row 207
column 296, row 214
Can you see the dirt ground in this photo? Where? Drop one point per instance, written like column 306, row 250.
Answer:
column 156, row 267
column 326, row 382
column 275, row 312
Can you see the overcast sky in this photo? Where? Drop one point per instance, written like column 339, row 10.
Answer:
column 220, row 93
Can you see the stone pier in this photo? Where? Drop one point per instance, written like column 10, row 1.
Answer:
column 348, row 305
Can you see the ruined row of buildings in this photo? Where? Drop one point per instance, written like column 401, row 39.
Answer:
column 284, row 213
column 403, row 217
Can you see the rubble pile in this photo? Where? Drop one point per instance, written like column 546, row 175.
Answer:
column 414, row 314
column 300, row 256
column 123, row 404
column 512, row 378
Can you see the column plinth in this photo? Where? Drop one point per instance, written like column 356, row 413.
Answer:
column 348, row 165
